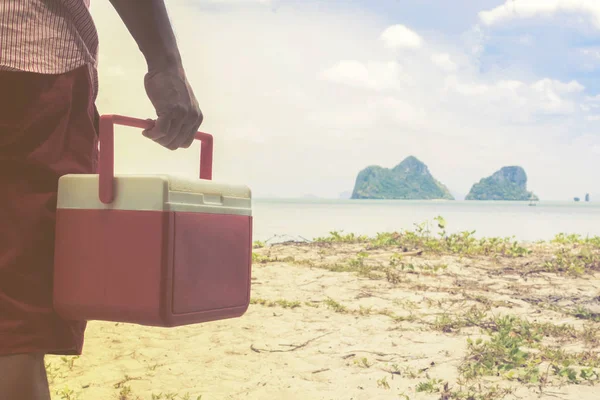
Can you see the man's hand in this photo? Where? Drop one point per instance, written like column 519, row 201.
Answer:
column 166, row 85
column 179, row 116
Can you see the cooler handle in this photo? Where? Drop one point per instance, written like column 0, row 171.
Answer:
column 107, row 155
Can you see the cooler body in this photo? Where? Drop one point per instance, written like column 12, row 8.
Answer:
column 166, row 252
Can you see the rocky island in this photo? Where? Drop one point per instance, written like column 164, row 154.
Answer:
column 409, row 180
column 509, row 183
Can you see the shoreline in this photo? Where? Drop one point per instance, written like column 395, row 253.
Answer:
column 345, row 200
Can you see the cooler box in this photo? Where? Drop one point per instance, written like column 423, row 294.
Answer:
column 151, row 250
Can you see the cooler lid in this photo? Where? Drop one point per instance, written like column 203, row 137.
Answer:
column 178, row 184
column 155, row 193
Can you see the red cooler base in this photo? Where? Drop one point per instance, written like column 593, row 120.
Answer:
column 152, row 267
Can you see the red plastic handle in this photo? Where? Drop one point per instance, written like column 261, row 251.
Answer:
column 107, row 153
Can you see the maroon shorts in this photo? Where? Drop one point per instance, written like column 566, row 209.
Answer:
column 48, row 128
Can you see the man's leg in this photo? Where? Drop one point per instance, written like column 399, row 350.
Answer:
column 48, row 128
column 23, row 377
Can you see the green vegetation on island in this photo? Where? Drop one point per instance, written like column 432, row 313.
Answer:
column 409, row 180
column 509, row 183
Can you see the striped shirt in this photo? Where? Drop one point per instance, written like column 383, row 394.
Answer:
column 48, row 37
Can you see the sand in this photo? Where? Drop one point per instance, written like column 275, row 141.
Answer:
column 352, row 336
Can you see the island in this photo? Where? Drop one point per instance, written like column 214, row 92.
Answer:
column 509, row 183
column 409, row 180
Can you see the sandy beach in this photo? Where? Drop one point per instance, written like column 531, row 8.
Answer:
column 401, row 316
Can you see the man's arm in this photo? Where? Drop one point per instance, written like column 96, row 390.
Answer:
column 179, row 116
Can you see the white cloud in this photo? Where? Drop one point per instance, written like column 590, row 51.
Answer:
column 465, row 88
column 444, row 61
column 399, row 36
column 372, row 75
column 349, row 72
column 398, row 110
column 516, row 100
column 552, row 95
column 523, row 9
column 550, row 85
column 510, row 84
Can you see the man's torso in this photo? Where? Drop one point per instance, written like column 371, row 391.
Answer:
column 47, row 36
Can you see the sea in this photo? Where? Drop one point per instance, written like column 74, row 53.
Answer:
column 278, row 220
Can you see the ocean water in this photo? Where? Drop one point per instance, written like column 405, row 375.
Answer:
column 285, row 219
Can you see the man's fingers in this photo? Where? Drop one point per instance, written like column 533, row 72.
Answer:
column 194, row 126
column 160, row 129
column 192, row 129
column 189, row 141
column 162, row 132
column 175, row 130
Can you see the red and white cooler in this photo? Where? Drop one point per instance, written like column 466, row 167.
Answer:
column 151, row 250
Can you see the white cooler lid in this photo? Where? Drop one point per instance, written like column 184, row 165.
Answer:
column 156, row 193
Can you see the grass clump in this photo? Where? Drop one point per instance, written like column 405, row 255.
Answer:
column 69, row 361
column 430, row 386
column 449, row 323
column 362, row 310
column 275, row 303
column 576, row 240
column 339, row 237
column 515, row 351
column 172, row 396
column 335, row 306
column 475, row 392
column 422, row 237
column 358, row 264
column 575, row 256
column 383, row 383
column 260, row 259
column 362, row 362
column 53, row 372
column 264, row 259
column 67, row 394
column 574, row 262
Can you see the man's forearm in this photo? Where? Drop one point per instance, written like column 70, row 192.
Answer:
column 149, row 24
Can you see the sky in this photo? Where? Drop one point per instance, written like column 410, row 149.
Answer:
column 301, row 95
